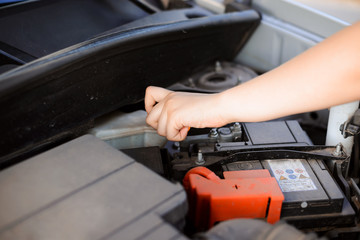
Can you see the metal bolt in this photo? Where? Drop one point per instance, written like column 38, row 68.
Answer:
column 236, row 127
column 304, row 205
column 213, row 133
column 338, row 150
column 200, row 159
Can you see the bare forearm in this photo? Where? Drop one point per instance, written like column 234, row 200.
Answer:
column 325, row 75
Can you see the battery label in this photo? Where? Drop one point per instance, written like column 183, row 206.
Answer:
column 291, row 175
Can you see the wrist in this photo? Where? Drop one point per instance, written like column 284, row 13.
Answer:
column 227, row 107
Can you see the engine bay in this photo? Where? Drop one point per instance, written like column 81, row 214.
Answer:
column 78, row 160
column 311, row 177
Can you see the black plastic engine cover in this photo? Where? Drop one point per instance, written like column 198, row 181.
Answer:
column 45, row 100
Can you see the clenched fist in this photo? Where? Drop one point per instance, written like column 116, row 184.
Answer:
column 173, row 113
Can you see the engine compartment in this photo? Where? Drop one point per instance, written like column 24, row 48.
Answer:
column 78, row 160
column 317, row 198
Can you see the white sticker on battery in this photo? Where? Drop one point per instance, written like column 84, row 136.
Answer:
column 291, row 175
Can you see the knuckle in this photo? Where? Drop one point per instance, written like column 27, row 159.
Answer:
column 150, row 123
column 161, row 133
column 148, row 90
column 172, row 95
column 170, row 105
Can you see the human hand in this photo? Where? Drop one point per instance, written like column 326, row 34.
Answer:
column 173, row 113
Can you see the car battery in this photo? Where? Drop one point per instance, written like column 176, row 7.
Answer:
column 312, row 198
column 306, row 184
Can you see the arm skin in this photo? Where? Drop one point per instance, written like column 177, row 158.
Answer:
column 328, row 74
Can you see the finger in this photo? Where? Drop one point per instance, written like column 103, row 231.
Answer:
column 174, row 132
column 180, row 134
column 154, row 115
column 154, row 95
column 183, row 133
column 162, row 124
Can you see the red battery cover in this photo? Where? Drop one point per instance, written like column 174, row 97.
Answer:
column 241, row 194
